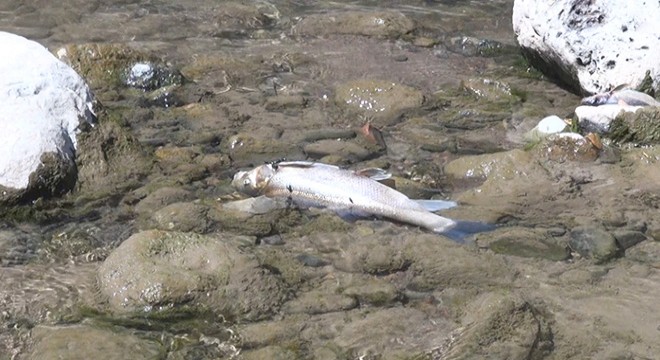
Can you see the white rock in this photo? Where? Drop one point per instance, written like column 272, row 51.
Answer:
column 599, row 118
column 549, row 125
column 592, row 45
column 42, row 103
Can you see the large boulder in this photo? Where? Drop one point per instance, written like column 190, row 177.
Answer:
column 592, row 46
column 43, row 104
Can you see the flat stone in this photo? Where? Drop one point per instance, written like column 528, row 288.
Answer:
column 594, row 243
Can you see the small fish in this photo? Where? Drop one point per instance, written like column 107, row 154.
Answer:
column 350, row 194
column 622, row 96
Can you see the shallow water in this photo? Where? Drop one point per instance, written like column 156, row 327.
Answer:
column 58, row 250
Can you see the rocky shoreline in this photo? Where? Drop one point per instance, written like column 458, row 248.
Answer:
column 151, row 254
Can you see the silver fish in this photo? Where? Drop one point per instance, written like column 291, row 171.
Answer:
column 312, row 184
column 621, row 96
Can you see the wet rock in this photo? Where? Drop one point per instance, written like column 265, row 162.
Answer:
column 526, row 243
column 387, row 24
column 248, row 149
column 381, row 101
column 506, row 165
column 258, row 216
column 502, row 327
column 567, row 147
column 233, row 18
column 269, row 332
column 319, row 302
column 599, row 119
column 17, row 247
column 154, row 271
column 273, row 352
column 149, row 76
column 641, row 127
column 439, row 264
column 161, row 197
column 111, row 159
column 591, row 46
column 107, row 65
column 373, row 291
column 44, row 104
column 372, row 333
column 182, row 216
column 470, row 46
column 348, row 150
column 365, row 254
column 324, row 134
column 285, row 102
column 594, row 243
column 311, row 260
column 627, row 238
column 85, row 342
column 490, row 90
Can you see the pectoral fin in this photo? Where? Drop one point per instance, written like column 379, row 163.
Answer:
column 377, row 174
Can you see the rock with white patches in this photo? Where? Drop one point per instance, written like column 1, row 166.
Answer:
column 43, row 104
column 593, row 46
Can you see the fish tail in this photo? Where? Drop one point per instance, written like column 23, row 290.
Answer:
column 461, row 232
column 436, row 205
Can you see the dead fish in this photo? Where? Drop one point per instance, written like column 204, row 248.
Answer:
column 350, row 194
column 622, row 96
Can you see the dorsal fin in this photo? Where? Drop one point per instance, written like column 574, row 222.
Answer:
column 377, row 174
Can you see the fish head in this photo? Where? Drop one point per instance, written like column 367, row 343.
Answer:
column 598, row 99
column 253, row 182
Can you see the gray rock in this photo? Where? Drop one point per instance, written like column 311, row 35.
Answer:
column 161, row 197
column 592, row 46
column 382, row 101
column 157, row 270
column 527, row 243
column 319, row 302
column 17, row 247
column 500, row 326
column 79, row 342
column 373, row 291
column 594, row 243
column 348, row 151
column 388, row 24
column 627, row 238
column 183, row 216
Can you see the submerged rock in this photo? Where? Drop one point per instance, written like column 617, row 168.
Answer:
column 527, row 243
column 43, row 105
column 86, row 342
column 388, row 24
column 594, row 243
column 107, row 65
column 155, row 271
column 592, row 46
column 382, row 101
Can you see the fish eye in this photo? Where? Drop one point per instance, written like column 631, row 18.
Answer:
column 246, row 182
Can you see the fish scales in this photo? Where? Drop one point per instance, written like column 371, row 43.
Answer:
column 320, row 185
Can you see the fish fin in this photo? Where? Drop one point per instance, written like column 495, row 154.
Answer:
column 351, row 215
column 377, row 174
column 436, row 205
column 305, row 164
column 619, row 88
column 621, row 102
column 461, row 232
